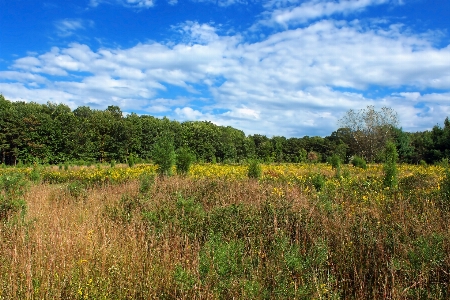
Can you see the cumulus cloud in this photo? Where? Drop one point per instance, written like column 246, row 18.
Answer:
column 293, row 82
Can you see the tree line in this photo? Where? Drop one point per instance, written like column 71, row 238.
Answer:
column 53, row 133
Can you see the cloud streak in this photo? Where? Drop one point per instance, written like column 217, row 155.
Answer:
column 68, row 27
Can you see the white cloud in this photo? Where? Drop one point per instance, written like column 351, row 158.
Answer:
column 287, row 13
column 68, row 27
column 188, row 114
column 126, row 3
column 294, row 82
column 223, row 3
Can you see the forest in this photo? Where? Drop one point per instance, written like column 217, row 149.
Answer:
column 54, row 134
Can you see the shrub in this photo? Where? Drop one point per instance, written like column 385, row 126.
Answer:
column 146, row 180
column 130, row 160
column 164, row 155
column 12, row 188
column 184, row 159
column 335, row 162
column 77, row 190
column 254, row 169
column 318, row 181
column 445, row 191
column 390, row 166
column 359, row 162
column 35, row 174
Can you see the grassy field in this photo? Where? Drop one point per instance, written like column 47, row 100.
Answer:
column 299, row 232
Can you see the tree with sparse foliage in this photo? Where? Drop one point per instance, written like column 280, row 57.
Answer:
column 370, row 129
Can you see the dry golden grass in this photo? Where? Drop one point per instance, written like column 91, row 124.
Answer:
column 98, row 244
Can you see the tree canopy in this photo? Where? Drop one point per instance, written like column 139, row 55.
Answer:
column 53, row 133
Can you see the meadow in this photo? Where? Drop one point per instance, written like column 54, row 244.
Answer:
column 297, row 232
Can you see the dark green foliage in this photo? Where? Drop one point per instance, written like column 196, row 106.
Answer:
column 184, row 279
column 390, row 166
column 254, row 169
column 130, row 160
column 335, row 162
column 445, row 191
column 164, row 154
column 184, row 159
column 318, row 181
column 52, row 133
column 359, row 162
column 146, row 182
column 35, row 174
column 12, row 188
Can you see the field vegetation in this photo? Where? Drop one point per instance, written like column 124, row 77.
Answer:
column 270, row 231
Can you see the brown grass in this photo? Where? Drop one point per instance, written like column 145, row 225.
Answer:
column 97, row 247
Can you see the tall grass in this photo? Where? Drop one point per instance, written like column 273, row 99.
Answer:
column 183, row 238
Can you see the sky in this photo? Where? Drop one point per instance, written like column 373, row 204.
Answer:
column 273, row 67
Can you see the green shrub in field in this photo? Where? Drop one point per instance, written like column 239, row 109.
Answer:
column 184, row 280
column 12, row 188
column 444, row 202
column 390, row 167
column 254, row 169
column 164, row 154
column 146, row 182
column 184, row 160
column 318, row 181
column 335, row 162
column 35, row 174
column 359, row 162
column 130, row 160
column 221, row 263
column 77, row 190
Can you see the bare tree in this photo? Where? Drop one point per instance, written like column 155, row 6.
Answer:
column 370, row 129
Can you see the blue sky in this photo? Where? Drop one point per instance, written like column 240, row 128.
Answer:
column 274, row 67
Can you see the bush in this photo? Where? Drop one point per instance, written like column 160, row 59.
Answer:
column 390, row 167
column 254, row 169
column 12, row 188
column 35, row 174
column 184, row 160
column 335, row 162
column 445, row 191
column 131, row 161
column 359, row 162
column 164, row 155
column 147, row 180
column 318, row 181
